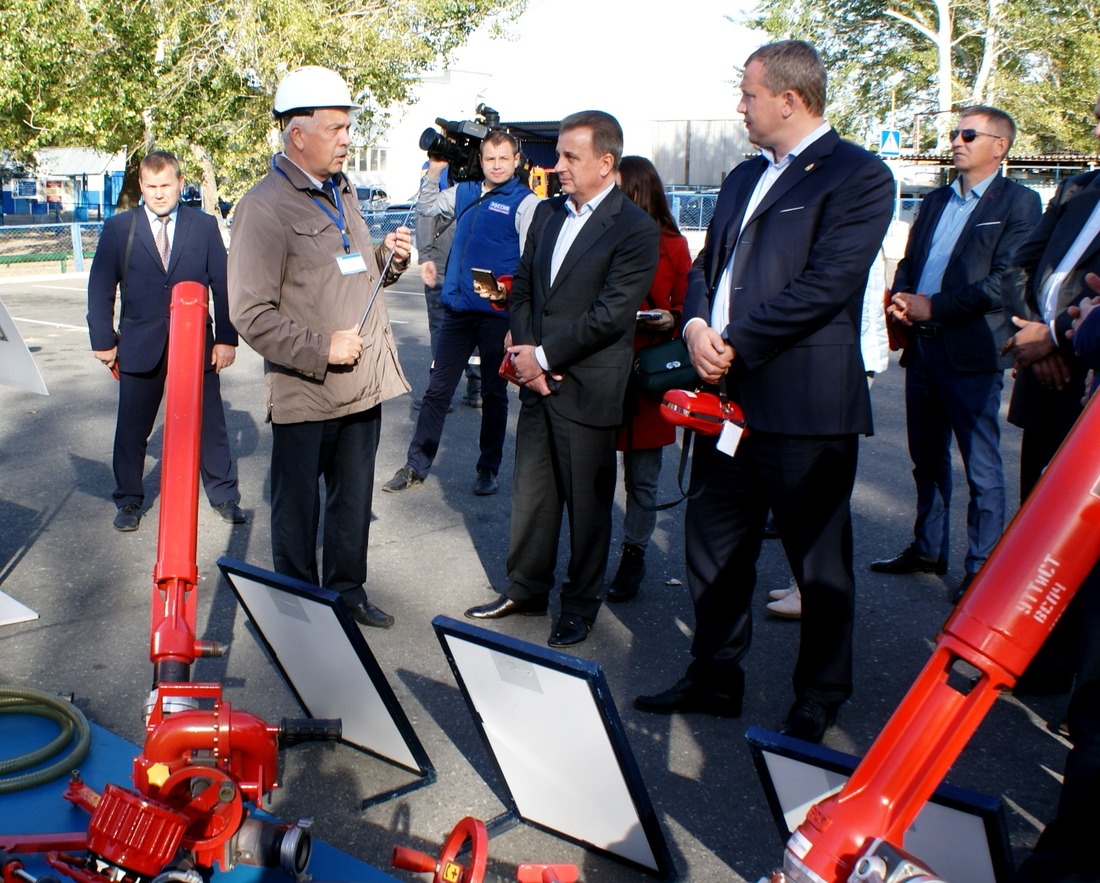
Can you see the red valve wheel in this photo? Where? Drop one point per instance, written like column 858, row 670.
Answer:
column 210, row 800
column 447, row 870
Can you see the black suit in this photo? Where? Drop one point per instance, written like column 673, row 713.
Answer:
column 1046, row 415
column 796, row 284
column 197, row 255
column 565, row 442
column 954, row 373
column 1064, row 852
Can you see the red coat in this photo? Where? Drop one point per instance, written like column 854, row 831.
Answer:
column 648, row 429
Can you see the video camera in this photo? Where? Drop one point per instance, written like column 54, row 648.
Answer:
column 461, row 143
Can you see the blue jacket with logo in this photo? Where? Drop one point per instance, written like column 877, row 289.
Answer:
column 485, row 238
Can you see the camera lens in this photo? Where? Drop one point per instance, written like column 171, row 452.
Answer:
column 430, row 141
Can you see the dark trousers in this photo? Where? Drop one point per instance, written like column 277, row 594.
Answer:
column 807, row 483
column 1064, row 852
column 342, row 452
column 1057, row 411
column 460, row 335
column 560, row 465
column 939, row 402
column 139, row 398
column 433, row 302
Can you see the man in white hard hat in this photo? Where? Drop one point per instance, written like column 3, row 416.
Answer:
column 303, row 272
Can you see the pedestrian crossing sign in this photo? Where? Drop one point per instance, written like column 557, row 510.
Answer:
column 890, row 145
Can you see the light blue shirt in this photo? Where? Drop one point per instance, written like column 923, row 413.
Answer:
column 956, row 213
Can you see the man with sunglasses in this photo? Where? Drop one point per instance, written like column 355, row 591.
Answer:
column 947, row 297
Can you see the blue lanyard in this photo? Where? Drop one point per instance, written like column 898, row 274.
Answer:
column 337, row 219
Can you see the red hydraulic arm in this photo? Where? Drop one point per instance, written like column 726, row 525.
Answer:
column 173, row 646
column 1050, row 547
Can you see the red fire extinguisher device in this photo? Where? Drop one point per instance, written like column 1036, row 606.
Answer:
column 1050, row 547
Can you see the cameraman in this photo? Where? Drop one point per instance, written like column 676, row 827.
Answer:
column 491, row 220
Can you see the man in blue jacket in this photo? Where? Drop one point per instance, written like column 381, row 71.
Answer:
column 148, row 250
column 491, row 220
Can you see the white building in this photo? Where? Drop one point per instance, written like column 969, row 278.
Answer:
column 669, row 77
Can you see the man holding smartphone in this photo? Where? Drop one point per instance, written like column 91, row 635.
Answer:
column 491, row 220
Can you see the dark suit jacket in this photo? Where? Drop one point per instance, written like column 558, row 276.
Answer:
column 968, row 304
column 198, row 255
column 585, row 321
column 1035, row 260
column 797, row 291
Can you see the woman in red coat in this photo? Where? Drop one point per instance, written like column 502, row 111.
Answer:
column 645, row 434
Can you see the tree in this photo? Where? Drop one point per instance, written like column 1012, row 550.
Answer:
column 918, row 61
column 197, row 76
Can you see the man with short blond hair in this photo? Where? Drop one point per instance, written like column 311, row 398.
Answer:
column 143, row 253
column 776, row 294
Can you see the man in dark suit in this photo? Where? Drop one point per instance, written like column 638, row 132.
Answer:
column 947, row 294
column 146, row 251
column 773, row 317
column 1041, row 292
column 588, row 263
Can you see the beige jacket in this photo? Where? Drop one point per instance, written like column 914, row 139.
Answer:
column 287, row 296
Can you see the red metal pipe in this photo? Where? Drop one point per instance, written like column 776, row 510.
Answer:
column 176, row 574
column 1040, row 562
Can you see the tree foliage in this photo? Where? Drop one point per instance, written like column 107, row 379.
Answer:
column 197, row 76
column 892, row 60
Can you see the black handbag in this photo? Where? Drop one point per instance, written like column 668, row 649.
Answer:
column 660, row 367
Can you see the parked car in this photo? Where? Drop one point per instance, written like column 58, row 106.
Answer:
column 372, row 199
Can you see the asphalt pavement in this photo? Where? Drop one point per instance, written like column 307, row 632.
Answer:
column 439, row 549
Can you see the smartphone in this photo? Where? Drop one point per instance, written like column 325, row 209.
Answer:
column 485, row 283
column 649, row 314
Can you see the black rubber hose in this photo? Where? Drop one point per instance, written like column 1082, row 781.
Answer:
column 25, row 700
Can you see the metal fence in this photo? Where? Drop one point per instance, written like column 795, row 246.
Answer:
column 692, row 210
column 47, row 248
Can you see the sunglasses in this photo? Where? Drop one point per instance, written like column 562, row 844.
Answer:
column 969, row 135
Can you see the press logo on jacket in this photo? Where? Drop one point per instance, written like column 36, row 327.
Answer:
column 500, row 207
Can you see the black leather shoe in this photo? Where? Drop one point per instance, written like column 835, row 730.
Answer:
column 405, row 478
column 808, row 720
column 571, row 628
column 486, row 484
column 128, row 517
column 366, row 613
column 505, row 606
column 689, row 695
column 909, row 560
column 628, row 578
column 960, row 589
column 231, row 513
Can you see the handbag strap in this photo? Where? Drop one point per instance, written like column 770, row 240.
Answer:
column 685, row 448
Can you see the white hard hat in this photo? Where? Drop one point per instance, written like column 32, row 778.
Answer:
column 310, row 87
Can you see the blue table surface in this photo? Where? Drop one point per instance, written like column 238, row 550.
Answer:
column 42, row 810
